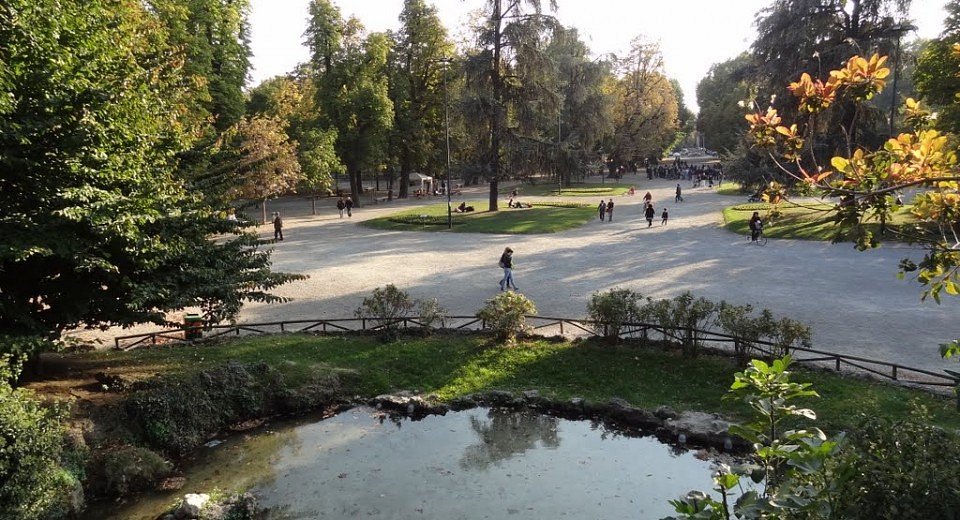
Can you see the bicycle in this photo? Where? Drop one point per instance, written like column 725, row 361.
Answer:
column 761, row 239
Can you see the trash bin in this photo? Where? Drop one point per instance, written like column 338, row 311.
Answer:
column 193, row 323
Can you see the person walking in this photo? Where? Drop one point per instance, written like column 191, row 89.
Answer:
column 663, row 217
column 349, row 205
column 277, row 226
column 602, row 208
column 610, row 211
column 649, row 213
column 647, row 198
column 341, row 205
column 679, row 197
column 506, row 262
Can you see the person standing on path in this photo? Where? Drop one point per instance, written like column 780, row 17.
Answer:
column 602, row 208
column 341, row 205
column 277, row 226
column 649, row 213
column 663, row 217
column 610, row 211
column 349, row 205
column 506, row 262
column 679, row 197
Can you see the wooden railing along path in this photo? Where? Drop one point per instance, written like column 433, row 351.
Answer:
column 708, row 338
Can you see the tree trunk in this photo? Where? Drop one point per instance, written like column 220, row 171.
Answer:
column 405, row 169
column 356, row 185
column 497, row 102
column 313, row 205
column 263, row 211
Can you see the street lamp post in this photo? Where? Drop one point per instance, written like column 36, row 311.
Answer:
column 559, row 140
column 900, row 29
column 446, row 122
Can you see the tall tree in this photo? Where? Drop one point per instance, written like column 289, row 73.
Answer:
column 98, row 229
column 419, row 61
column 509, row 50
column 352, row 88
column 937, row 75
column 721, row 95
column 646, row 111
column 584, row 108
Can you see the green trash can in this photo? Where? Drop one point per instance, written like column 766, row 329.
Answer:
column 193, row 323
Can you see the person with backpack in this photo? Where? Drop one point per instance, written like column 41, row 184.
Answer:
column 506, row 263
column 602, row 208
column 341, row 205
column 610, row 211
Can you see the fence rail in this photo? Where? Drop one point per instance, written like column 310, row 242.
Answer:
column 709, row 338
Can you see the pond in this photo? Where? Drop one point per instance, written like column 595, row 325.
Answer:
column 479, row 463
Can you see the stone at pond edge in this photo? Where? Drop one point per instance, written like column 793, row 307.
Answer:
column 665, row 412
column 191, row 505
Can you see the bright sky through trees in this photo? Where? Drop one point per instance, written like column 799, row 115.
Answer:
column 693, row 34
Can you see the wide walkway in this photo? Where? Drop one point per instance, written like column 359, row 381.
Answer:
column 853, row 300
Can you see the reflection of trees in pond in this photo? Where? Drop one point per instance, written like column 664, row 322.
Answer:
column 507, row 433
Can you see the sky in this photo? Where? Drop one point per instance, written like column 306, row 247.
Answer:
column 693, row 34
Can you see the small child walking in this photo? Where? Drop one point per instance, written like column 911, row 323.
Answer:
column 664, row 216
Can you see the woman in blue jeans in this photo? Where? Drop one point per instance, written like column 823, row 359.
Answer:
column 506, row 262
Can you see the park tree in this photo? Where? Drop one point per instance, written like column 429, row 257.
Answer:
column 936, row 72
column 815, row 36
column 418, row 62
column 257, row 160
column 503, row 71
column 99, row 230
column 646, row 113
column 721, row 94
column 351, row 78
column 292, row 100
column 584, row 108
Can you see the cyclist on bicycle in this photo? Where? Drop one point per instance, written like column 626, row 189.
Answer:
column 756, row 226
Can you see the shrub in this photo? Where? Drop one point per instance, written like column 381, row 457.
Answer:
column 610, row 310
column 505, row 314
column 785, row 334
column 129, row 469
column 387, row 307
column 740, row 322
column 33, row 481
column 176, row 414
column 431, row 313
column 901, row 469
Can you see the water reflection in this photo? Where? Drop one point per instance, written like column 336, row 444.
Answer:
column 505, row 433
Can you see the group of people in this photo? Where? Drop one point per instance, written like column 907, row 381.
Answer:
column 345, row 204
column 605, row 209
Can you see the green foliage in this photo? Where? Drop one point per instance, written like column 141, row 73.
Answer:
column 99, row 229
column 34, row 484
column 610, row 310
column 127, row 469
column 901, row 468
column 720, row 95
column 431, row 313
column 542, row 217
column 936, row 72
column 796, row 468
column 177, row 414
column 685, row 312
column 387, row 307
column 505, row 314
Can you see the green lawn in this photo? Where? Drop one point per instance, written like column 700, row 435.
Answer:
column 543, row 217
column 609, row 189
column 731, row 188
column 812, row 221
column 453, row 365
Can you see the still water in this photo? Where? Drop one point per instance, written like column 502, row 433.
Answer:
column 475, row 464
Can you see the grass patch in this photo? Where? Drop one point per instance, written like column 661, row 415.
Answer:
column 453, row 365
column 812, row 221
column 732, row 188
column 543, row 217
column 577, row 190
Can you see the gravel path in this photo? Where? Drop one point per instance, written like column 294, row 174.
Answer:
column 852, row 299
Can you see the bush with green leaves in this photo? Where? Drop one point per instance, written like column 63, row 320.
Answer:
column 389, row 307
column 686, row 315
column 796, row 469
column 34, row 482
column 505, row 314
column 609, row 311
column 901, row 469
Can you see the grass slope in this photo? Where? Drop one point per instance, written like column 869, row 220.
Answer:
column 543, row 217
column 453, row 365
column 812, row 221
column 577, row 190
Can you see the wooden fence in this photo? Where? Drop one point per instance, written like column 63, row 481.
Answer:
column 707, row 338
